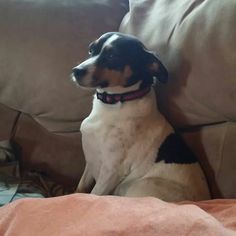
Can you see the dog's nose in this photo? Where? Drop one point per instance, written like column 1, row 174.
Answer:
column 79, row 72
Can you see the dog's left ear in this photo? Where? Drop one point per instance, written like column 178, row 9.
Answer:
column 155, row 67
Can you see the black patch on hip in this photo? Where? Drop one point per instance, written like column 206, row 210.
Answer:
column 175, row 150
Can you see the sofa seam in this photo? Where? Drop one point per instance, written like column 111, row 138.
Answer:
column 14, row 126
column 222, row 151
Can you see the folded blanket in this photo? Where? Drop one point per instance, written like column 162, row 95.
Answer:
column 82, row 214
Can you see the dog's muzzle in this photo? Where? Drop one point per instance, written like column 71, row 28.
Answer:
column 78, row 73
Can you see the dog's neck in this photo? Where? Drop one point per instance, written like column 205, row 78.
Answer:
column 117, row 94
column 139, row 108
column 120, row 89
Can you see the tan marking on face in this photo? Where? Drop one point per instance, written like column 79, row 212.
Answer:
column 113, row 77
column 127, row 72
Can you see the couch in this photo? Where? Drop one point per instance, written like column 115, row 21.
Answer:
column 41, row 109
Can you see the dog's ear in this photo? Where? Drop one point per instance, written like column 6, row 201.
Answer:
column 155, row 67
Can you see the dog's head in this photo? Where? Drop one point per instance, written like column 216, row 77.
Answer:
column 118, row 60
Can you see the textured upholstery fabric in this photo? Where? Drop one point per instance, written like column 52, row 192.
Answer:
column 196, row 41
column 215, row 146
column 58, row 156
column 40, row 43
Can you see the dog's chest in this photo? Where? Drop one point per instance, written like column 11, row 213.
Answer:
column 120, row 142
column 109, row 144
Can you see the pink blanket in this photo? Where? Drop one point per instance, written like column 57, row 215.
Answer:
column 81, row 214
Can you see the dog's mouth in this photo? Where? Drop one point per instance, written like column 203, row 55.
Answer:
column 93, row 84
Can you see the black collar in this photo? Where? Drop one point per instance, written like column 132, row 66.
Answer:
column 123, row 97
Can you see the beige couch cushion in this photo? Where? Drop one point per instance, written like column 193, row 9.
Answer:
column 8, row 118
column 40, row 42
column 215, row 146
column 60, row 157
column 196, row 41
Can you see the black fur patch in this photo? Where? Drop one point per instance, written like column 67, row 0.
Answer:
column 175, row 150
column 126, row 50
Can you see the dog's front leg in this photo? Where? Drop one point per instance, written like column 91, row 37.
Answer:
column 86, row 182
column 106, row 183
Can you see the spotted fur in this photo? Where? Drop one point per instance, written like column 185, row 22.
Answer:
column 115, row 61
column 127, row 144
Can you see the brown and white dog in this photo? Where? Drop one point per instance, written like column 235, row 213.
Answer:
column 130, row 148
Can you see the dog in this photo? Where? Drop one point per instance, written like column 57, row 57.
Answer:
column 130, row 148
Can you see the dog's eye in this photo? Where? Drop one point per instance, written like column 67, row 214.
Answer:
column 91, row 49
column 90, row 52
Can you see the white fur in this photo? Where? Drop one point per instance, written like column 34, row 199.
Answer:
column 110, row 40
column 121, row 143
